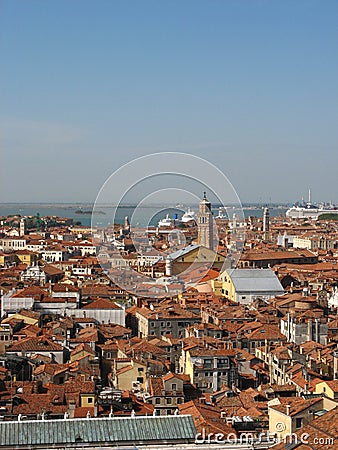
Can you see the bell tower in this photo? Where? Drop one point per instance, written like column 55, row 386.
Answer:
column 205, row 224
column 266, row 223
column 23, row 227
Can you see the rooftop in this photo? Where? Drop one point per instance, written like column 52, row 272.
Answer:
column 253, row 280
column 118, row 431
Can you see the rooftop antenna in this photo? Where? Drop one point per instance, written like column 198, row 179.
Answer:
column 309, row 195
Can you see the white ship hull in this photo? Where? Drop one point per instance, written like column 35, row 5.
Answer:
column 298, row 212
column 188, row 216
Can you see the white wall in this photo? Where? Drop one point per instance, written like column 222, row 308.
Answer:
column 103, row 315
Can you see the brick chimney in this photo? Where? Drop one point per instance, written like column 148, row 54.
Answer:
column 37, row 387
column 71, row 409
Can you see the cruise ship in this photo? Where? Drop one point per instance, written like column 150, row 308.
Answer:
column 308, row 210
column 188, row 217
column 166, row 222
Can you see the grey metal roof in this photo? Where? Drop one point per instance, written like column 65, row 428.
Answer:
column 135, row 430
column 183, row 251
column 255, row 280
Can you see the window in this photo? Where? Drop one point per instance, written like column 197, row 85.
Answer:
column 299, row 422
column 90, row 400
column 174, row 387
column 223, row 362
column 140, row 379
column 169, row 401
column 157, row 400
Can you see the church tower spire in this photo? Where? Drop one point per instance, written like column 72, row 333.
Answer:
column 205, row 224
column 266, row 223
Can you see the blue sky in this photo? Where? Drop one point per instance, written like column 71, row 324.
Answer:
column 250, row 85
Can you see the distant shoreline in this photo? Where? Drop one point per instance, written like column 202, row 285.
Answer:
column 80, row 211
column 169, row 205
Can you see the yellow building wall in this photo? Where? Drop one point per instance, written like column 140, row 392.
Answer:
column 124, row 381
column 279, row 423
column 81, row 230
column 224, row 284
column 80, row 355
column 320, row 389
column 6, row 259
column 216, row 286
column 85, row 400
column 189, row 367
column 27, row 320
column 199, row 256
column 27, row 259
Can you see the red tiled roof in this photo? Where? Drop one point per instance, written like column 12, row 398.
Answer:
column 101, row 303
column 297, row 404
column 36, row 344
